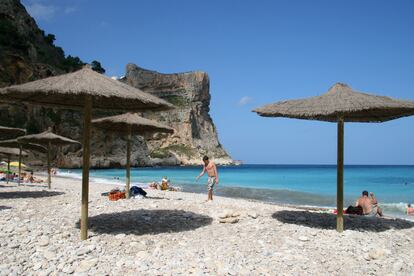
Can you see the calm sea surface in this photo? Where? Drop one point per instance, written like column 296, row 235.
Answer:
column 313, row 185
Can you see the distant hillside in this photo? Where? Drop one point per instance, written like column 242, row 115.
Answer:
column 26, row 52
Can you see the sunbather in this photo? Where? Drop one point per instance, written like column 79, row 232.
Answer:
column 369, row 209
column 32, row 179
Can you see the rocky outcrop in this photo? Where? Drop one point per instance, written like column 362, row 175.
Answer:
column 26, row 52
column 195, row 134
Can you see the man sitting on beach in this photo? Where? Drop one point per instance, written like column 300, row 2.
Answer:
column 369, row 205
column 213, row 179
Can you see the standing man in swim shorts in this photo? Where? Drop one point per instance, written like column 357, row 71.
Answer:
column 213, row 178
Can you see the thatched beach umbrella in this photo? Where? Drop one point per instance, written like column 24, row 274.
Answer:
column 9, row 152
column 340, row 104
column 14, row 143
column 11, row 132
column 84, row 89
column 48, row 139
column 128, row 124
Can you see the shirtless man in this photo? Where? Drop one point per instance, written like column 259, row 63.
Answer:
column 367, row 205
column 213, row 179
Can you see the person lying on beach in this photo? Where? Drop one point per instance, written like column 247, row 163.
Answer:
column 410, row 209
column 368, row 208
column 154, row 185
column 32, row 179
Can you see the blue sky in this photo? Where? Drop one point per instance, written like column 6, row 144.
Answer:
column 258, row 52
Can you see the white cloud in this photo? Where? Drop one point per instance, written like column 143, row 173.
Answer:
column 68, row 10
column 244, row 100
column 40, row 11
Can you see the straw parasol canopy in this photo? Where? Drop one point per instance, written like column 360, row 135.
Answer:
column 85, row 89
column 11, row 132
column 137, row 124
column 340, row 104
column 9, row 152
column 128, row 124
column 68, row 90
column 14, row 143
column 47, row 138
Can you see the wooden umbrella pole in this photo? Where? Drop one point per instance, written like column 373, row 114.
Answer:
column 49, row 180
column 85, row 166
column 20, row 164
column 128, row 161
column 8, row 168
column 340, row 178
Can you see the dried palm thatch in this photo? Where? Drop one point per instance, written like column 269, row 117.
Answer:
column 68, row 90
column 14, row 143
column 11, row 132
column 11, row 151
column 47, row 138
column 137, row 124
column 340, row 104
column 130, row 123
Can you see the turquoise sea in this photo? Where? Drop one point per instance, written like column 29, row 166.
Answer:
column 310, row 185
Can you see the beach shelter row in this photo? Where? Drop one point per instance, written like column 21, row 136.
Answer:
column 84, row 89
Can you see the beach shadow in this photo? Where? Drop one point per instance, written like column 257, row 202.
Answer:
column 141, row 222
column 4, row 207
column 29, row 194
column 328, row 221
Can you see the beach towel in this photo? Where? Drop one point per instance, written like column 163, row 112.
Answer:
column 134, row 190
column 357, row 210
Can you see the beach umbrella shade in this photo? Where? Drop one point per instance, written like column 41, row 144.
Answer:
column 13, row 143
column 11, row 132
column 17, row 164
column 340, row 104
column 8, row 152
column 84, row 89
column 48, row 139
column 128, row 124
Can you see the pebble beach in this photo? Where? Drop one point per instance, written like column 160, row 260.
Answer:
column 178, row 233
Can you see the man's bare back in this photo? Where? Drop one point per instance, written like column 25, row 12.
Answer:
column 365, row 203
column 369, row 204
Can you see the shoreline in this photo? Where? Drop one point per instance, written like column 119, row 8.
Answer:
column 202, row 190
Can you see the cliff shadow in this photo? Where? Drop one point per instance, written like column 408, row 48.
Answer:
column 328, row 221
column 29, row 194
column 141, row 222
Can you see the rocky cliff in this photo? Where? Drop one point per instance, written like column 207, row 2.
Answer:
column 195, row 134
column 26, row 54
